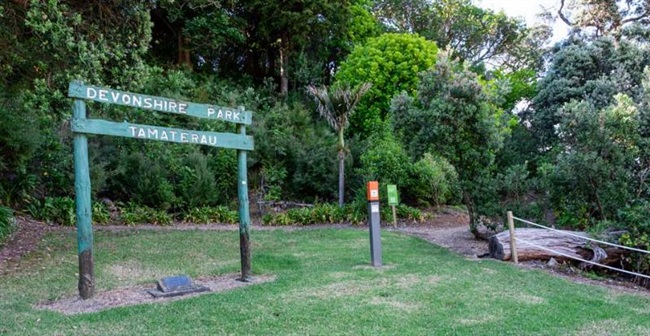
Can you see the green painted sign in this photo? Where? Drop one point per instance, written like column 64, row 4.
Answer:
column 125, row 129
column 166, row 105
column 82, row 126
column 391, row 191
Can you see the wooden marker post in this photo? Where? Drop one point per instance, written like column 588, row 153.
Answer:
column 244, row 213
column 513, row 245
column 83, row 208
column 393, row 200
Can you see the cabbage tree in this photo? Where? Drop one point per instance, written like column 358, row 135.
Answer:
column 336, row 104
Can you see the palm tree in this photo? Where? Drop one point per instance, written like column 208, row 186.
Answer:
column 336, row 104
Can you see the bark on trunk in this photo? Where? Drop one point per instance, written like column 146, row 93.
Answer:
column 284, row 66
column 473, row 218
column 341, row 177
column 183, row 51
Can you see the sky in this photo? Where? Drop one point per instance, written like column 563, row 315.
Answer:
column 527, row 9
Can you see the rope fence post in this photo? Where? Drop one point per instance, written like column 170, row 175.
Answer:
column 513, row 245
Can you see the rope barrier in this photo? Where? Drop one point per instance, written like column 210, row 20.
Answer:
column 586, row 238
column 585, row 261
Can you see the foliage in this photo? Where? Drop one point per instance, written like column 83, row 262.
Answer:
column 295, row 158
column 196, row 184
column 60, row 210
column 603, row 17
column 336, row 105
column 7, row 223
column 452, row 117
column 602, row 149
column 402, row 212
column 385, row 160
column 139, row 214
column 522, row 86
column 592, row 71
column 207, row 215
column 17, row 179
column 391, row 63
column 435, row 181
column 46, row 44
column 635, row 219
column 322, row 213
column 144, row 180
column 472, row 33
column 327, row 213
column 101, row 214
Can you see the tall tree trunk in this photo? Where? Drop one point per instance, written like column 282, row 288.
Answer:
column 341, row 177
column 471, row 210
column 284, row 65
column 183, row 51
column 341, row 168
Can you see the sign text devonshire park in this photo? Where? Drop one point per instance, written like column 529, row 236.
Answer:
column 167, row 105
column 82, row 126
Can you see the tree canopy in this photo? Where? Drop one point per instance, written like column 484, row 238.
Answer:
column 391, row 63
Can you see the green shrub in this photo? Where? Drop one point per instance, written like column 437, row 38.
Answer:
column 635, row 220
column 59, row 210
column 101, row 214
column 138, row 214
column 403, row 212
column 328, row 213
column 391, row 62
column 7, row 223
column 207, row 215
column 145, row 181
column 196, row 186
column 277, row 219
column 385, row 160
column 435, row 181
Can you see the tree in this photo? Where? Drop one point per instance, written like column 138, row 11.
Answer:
column 391, row 62
column 599, row 18
column 452, row 117
column 43, row 46
column 193, row 31
column 475, row 34
column 592, row 70
column 336, row 105
column 600, row 153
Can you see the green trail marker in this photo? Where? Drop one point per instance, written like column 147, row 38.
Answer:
column 82, row 126
column 391, row 191
column 393, row 200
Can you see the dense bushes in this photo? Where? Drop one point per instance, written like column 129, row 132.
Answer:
column 7, row 223
column 327, row 213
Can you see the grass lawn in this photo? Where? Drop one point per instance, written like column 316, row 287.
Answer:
column 323, row 287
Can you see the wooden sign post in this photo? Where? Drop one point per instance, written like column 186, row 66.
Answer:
column 82, row 126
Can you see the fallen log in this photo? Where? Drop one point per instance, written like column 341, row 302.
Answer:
column 499, row 245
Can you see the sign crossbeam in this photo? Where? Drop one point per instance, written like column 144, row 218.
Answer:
column 138, row 131
column 161, row 104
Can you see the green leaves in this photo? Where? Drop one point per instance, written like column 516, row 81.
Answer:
column 451, row 117
column 391, row 63
column 336, row 104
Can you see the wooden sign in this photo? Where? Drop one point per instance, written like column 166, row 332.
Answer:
column 166, row 105
column 82, row 126
column 129, row 130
